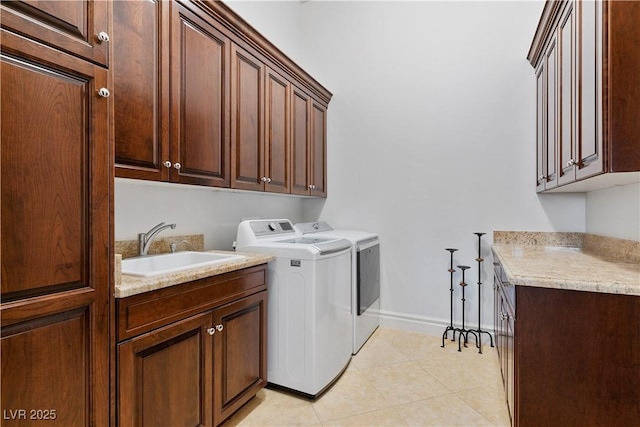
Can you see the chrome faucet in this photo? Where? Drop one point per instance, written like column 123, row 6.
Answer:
column 145, row 239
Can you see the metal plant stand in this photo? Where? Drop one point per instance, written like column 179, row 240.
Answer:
column 479, row 331
column 450, row 327
column 463, row 331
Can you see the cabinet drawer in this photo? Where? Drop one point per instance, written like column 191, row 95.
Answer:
column 144, row 312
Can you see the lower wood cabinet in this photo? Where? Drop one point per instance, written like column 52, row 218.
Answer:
column 165, row 376
column 200, row 369
column 568, row 358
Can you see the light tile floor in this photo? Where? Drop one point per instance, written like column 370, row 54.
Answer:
column 398, row 378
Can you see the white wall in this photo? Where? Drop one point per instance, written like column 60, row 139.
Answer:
column 431, row 133
column 615, row 212
column 431, row 138
column 139, row 205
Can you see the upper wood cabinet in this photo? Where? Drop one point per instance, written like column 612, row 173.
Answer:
column 80, row 28
column 247, row 120
column 587, row 87
column 141, row 88
column 166, row 131
column 55, row 197
column 309, row 145
column 231, row 126
column 199, row 100
column 318, row 150
column 277, row 138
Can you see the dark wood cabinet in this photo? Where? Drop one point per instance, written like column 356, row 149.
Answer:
column 300, row 136
column 192, row 353
column 568, row 358
column 318, row 150
column 80, row 28
column 309, row 145
column 200, row 101
column 140, row 67
column 240, row 353
column 164, row 376
column 504, row 328
column 170, row 116
column 277, row 137
column 55, row 198
column 237, row 125
column 247, row 120
column 585, row 68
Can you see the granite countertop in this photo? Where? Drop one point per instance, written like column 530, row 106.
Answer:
column 127, row 285
column 574, row 262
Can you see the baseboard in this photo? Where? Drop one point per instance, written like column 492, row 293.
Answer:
column 422, row 324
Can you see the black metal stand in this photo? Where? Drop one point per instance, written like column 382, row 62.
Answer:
column 464, row 332
column 450, row 327
column 479, row 331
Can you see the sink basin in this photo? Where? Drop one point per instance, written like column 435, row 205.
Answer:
column 157, row 265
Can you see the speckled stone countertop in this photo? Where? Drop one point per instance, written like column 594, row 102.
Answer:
column 572, row 261
column 126, row 285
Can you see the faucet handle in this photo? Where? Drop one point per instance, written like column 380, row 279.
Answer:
column 174, row 245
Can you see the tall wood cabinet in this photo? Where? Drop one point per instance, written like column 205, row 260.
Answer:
column 586, row 86
column 55, row 197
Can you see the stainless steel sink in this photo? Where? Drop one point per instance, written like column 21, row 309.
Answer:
column 157, row 265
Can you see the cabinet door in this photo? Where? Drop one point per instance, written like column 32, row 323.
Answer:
column 552, row 95
column 240, row 353
column 510, row 365
column 164, row 376
column 72, row 26
column 318, row 150
column 541, row 121
column 247, row 117
column 566, row 112
column 300, row 140
column 199, row 72
column 55, row 203
column 278, row 131
column 590, row 154
column 141, row 89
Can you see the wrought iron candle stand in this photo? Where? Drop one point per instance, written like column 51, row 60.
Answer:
column 479, row 331
column 463, row 330
column 450, row 327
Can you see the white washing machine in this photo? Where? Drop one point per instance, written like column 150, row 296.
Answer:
column 365, row 280
column 309, row 304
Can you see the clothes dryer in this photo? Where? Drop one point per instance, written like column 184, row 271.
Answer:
column 365, row 277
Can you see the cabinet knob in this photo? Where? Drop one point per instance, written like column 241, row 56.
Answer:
column 571, row 162
column 263, row 179
column 104, row 92
column 177, row 166
column 541, row 177
column 167, row 164
column 504, row 316
column 268, row 179
column 211, row 331
column 219, row 327
column 311, row 187
column 103, row 37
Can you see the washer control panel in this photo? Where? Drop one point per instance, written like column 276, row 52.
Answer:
column 271, row 227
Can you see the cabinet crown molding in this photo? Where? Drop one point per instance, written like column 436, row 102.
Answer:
column 548, row 19
column 241, row 29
